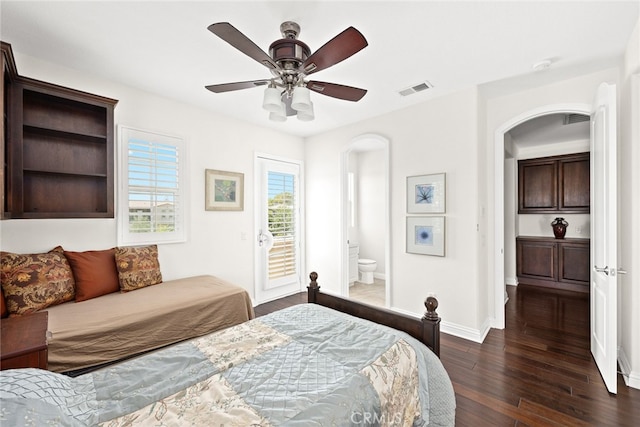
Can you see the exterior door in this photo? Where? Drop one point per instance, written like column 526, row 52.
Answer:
column 604, row 295
column 278, row 248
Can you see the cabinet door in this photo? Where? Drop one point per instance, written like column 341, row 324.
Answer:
column 536, row 259
column 574, row 184
column 537, row 186
column 574, row 263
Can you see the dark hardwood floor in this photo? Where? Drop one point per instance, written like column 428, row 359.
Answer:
column 538, row 371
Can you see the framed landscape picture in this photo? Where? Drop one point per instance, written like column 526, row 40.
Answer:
column 224, row 191
column 425, row 235
column 426, row 193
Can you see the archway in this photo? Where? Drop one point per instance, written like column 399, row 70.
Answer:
column 499, row 148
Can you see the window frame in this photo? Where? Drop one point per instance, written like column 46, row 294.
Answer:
column 125, row 237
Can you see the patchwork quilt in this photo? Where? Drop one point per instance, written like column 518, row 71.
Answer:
column 302, row 366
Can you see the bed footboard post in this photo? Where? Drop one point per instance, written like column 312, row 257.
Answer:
column 313, row 288
column 431, row 325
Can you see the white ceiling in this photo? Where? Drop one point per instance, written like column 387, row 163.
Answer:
column 549, row 130
column 165, row 48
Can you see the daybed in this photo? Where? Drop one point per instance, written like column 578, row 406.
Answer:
column 135, row 313
column 301, row 366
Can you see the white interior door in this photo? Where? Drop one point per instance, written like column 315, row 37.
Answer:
column 604, row 289
column 278, row 217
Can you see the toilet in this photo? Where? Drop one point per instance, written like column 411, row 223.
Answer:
column 366, row 267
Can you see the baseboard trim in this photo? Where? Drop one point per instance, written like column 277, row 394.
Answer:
column 631, row 378
column 471, row 334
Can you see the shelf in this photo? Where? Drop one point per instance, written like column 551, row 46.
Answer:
column 61, row 172
column 60, row 133
column 61, row 113
column 64, row 193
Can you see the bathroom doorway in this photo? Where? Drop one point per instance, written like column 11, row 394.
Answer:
column 365, row 220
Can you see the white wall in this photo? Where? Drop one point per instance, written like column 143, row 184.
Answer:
column 437, row 136
column 215, row 244
column 511, row 222
column 371, row 206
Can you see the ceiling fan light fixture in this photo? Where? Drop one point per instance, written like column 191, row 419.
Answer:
column 301, row 100
column 307, row 115
column 276, row 117
column 280, row 115
column 272, row 101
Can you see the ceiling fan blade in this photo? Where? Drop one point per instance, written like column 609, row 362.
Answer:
column 335, row 50
column 235, row 38
column 228, row 87
column 347, row 93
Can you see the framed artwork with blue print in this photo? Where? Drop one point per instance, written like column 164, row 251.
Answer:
column 425, row 235
column 426, row 193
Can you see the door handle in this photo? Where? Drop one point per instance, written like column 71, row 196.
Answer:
column 265, row 239
column 604, row 270
column 622, row 270
column 262, row 238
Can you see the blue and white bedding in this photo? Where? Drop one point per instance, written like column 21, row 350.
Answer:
column 302, row 366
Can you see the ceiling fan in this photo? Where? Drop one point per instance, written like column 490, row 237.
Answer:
column 290, row 62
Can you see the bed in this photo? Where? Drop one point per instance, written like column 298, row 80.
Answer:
column 301, row 366
column 119, row 325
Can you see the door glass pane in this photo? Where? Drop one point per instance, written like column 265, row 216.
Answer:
column 282, row 224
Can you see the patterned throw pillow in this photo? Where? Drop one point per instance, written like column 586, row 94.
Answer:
column 31, row 282
column 138, row 267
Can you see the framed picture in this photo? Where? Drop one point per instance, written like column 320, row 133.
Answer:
column 426, row 193
column 224, row 191
column 425, row 235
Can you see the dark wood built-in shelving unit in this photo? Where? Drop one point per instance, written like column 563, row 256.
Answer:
column 59, row 152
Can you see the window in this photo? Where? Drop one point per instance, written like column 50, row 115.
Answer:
column 282, row 224
column 152, row 196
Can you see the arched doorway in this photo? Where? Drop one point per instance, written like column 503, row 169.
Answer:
column 499, row 195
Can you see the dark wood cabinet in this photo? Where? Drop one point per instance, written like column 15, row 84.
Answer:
column 9, row 73
column 59, row 151
column 24, row 341
column 557, row 184
column 554, row 263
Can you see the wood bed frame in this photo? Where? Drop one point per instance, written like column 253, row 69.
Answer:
column 426, row 330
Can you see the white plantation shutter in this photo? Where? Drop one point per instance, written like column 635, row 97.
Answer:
column 282, row 224
column 152, row 187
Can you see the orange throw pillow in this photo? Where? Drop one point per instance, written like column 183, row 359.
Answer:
column 3, row 307
column 95, row 273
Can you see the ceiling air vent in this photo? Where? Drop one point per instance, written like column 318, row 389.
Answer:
column 570, row 119
column 415, row 89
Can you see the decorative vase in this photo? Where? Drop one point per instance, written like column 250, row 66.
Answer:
column 559, row 226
